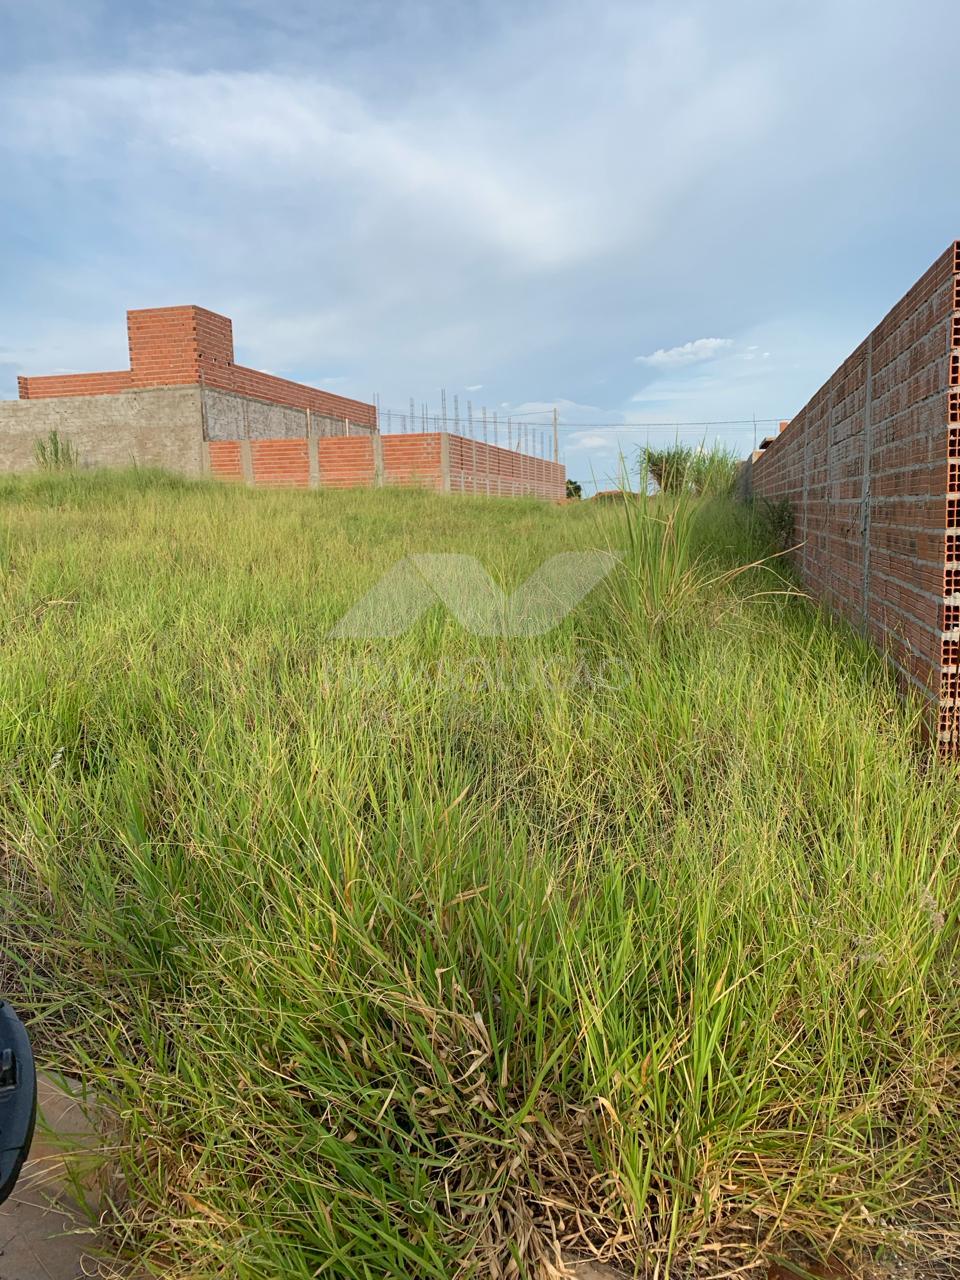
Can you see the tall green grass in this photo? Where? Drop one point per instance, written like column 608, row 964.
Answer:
column 456, row 956
column 54, row 453
column 684, row 469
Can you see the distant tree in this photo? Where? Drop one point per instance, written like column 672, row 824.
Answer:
column 615, row 495
column 574, row 489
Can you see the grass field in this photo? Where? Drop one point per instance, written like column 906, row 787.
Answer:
column 445, row 955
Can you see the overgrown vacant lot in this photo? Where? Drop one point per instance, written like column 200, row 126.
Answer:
column 444, row 955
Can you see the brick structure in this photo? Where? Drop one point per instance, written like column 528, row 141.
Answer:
column 176, row 346
column 429, row 460
column 475, row 467
column 871, row 468
column 186, row 405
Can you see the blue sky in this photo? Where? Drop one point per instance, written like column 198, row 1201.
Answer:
column 646, row 212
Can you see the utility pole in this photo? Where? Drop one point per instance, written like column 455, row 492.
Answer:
column 556, row 435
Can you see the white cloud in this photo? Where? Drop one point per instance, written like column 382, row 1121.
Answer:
column 477, row 386
column 266, row 131
column 319, row 174
column 689, row 353
column 566, row 408
column 590, row 440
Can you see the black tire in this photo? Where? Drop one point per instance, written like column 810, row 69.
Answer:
column 18, row 1098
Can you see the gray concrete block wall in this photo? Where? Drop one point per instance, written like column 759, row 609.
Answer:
column 224, row 416
column 159, row 427
column 156, row 427
column 230, row 416
column 274, row 421
column 235, row 417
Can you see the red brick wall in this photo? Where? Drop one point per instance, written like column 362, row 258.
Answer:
column 171, row 346
column 280, row 462
column 267, row 387
column 865, row 467
column 165, row 346
column 346, row 462
column 349, row 462
column 415, row 459
column 74, row 384
column 476, row 467
column 225, row 459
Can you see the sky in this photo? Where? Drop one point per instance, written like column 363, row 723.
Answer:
column 650, row 214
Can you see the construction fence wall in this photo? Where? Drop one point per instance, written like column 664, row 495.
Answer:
column 871, row 469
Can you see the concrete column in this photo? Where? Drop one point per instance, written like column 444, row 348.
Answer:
column 205, row 457
column 313, row 461
column 204, row 426
column 865, row 498
column 444, row 462
column 378, row 469
column 246, row 461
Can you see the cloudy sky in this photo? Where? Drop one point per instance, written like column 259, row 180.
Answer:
column 648, row 213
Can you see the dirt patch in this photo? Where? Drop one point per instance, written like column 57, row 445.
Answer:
column 45, row 1232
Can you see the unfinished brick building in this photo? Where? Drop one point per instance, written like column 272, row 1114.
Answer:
column 186, row 405
column 871, row 468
